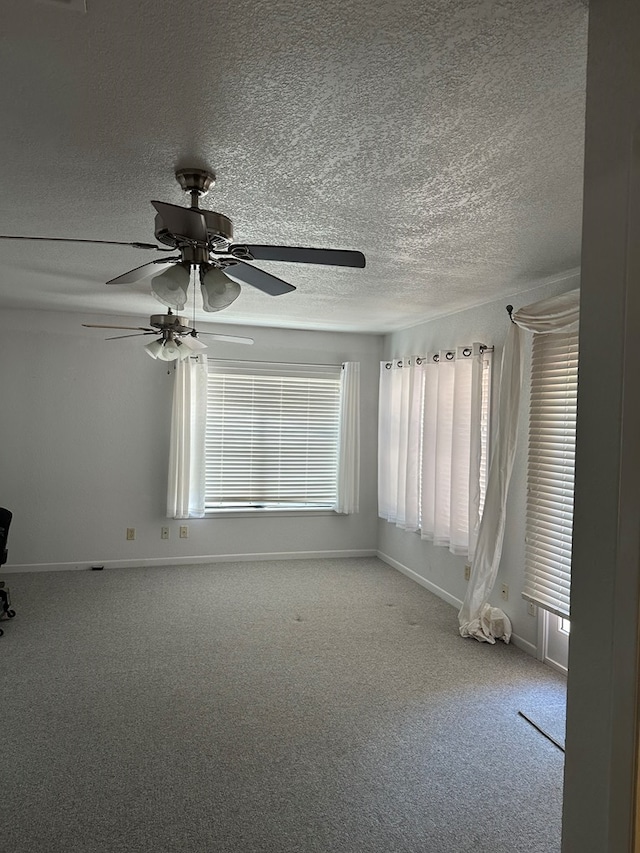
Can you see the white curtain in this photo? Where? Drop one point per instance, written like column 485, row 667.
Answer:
column 399, row 439
column 186, row 486
column 451, row 448
column 348, row 497
column 429, row 445
column 476, row 617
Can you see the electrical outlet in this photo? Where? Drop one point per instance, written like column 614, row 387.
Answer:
column 131, row 533
column 504, row 591
column 184, row 531
column 164, row 532
column 467, row 572
column 532, row 610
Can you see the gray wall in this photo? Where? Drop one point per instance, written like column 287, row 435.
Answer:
column 436, row 567
column 85, row 436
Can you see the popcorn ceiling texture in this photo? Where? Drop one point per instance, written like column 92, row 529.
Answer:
column 444, row 139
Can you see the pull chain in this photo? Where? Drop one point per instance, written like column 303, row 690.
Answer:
column 193, row 267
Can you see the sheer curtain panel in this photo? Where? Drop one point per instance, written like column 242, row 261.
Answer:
column 476, row 617
column 452, row 449
column 399, row 441
column 432, row 445
column 348, row 496
column 186, row 486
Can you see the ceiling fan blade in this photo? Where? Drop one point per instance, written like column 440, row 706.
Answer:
column 137, row 335
column 143, row 271
column 246, row 274
column 300, row 255
column 185, row 222
column 132, row 328
column 230, row 339
column 77, row 240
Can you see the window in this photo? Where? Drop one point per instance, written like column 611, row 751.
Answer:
column 552, row 438
column 272, row 436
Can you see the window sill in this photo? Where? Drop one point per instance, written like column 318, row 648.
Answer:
column 272, row 512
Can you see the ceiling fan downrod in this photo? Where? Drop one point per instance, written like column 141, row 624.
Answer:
column 196, row 183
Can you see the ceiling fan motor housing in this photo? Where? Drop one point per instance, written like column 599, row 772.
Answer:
column 219, row 229
column 171, row 322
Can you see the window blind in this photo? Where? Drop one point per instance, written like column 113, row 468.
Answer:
column 272, row 437
column 550, row 477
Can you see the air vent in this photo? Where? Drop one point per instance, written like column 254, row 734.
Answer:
column 72, row 5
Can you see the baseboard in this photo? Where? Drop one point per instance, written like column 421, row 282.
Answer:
column 517, row 641
column 185, row 561
column 555, row 665
column 525, row 645
column 432, row 587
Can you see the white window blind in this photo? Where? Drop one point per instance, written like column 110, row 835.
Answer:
column 552, row 439
column 272, row 436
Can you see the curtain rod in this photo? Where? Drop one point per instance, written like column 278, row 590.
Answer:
column 283, row 363
column 467, row 351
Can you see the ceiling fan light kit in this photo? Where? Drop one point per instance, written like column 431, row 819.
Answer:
column 218, row 291
column 154, row 348
column 193, row 343
column 170, row 349
column 171, row 287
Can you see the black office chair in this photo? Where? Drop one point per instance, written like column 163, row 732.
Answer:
column 5, row 600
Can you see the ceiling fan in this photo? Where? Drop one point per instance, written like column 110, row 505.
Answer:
column 178, row 338
column 203, row 240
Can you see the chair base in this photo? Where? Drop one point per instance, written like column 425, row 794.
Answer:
column 5, row 603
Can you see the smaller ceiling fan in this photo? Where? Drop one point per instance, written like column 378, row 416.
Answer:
column 178, row 338
column 203, row 240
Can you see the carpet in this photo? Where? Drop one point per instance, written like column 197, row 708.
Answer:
column 323, row 706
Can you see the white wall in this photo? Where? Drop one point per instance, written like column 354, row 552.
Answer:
column 84, row 446
column 436, row 567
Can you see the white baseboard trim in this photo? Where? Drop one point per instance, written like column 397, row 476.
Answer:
column 185, row 561
column 555, row 665
column 432, row 587
column 525, row 645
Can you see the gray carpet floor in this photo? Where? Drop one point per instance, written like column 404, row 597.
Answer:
column 316, row 706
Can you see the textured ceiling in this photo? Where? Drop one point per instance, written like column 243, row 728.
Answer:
column 442, row 138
